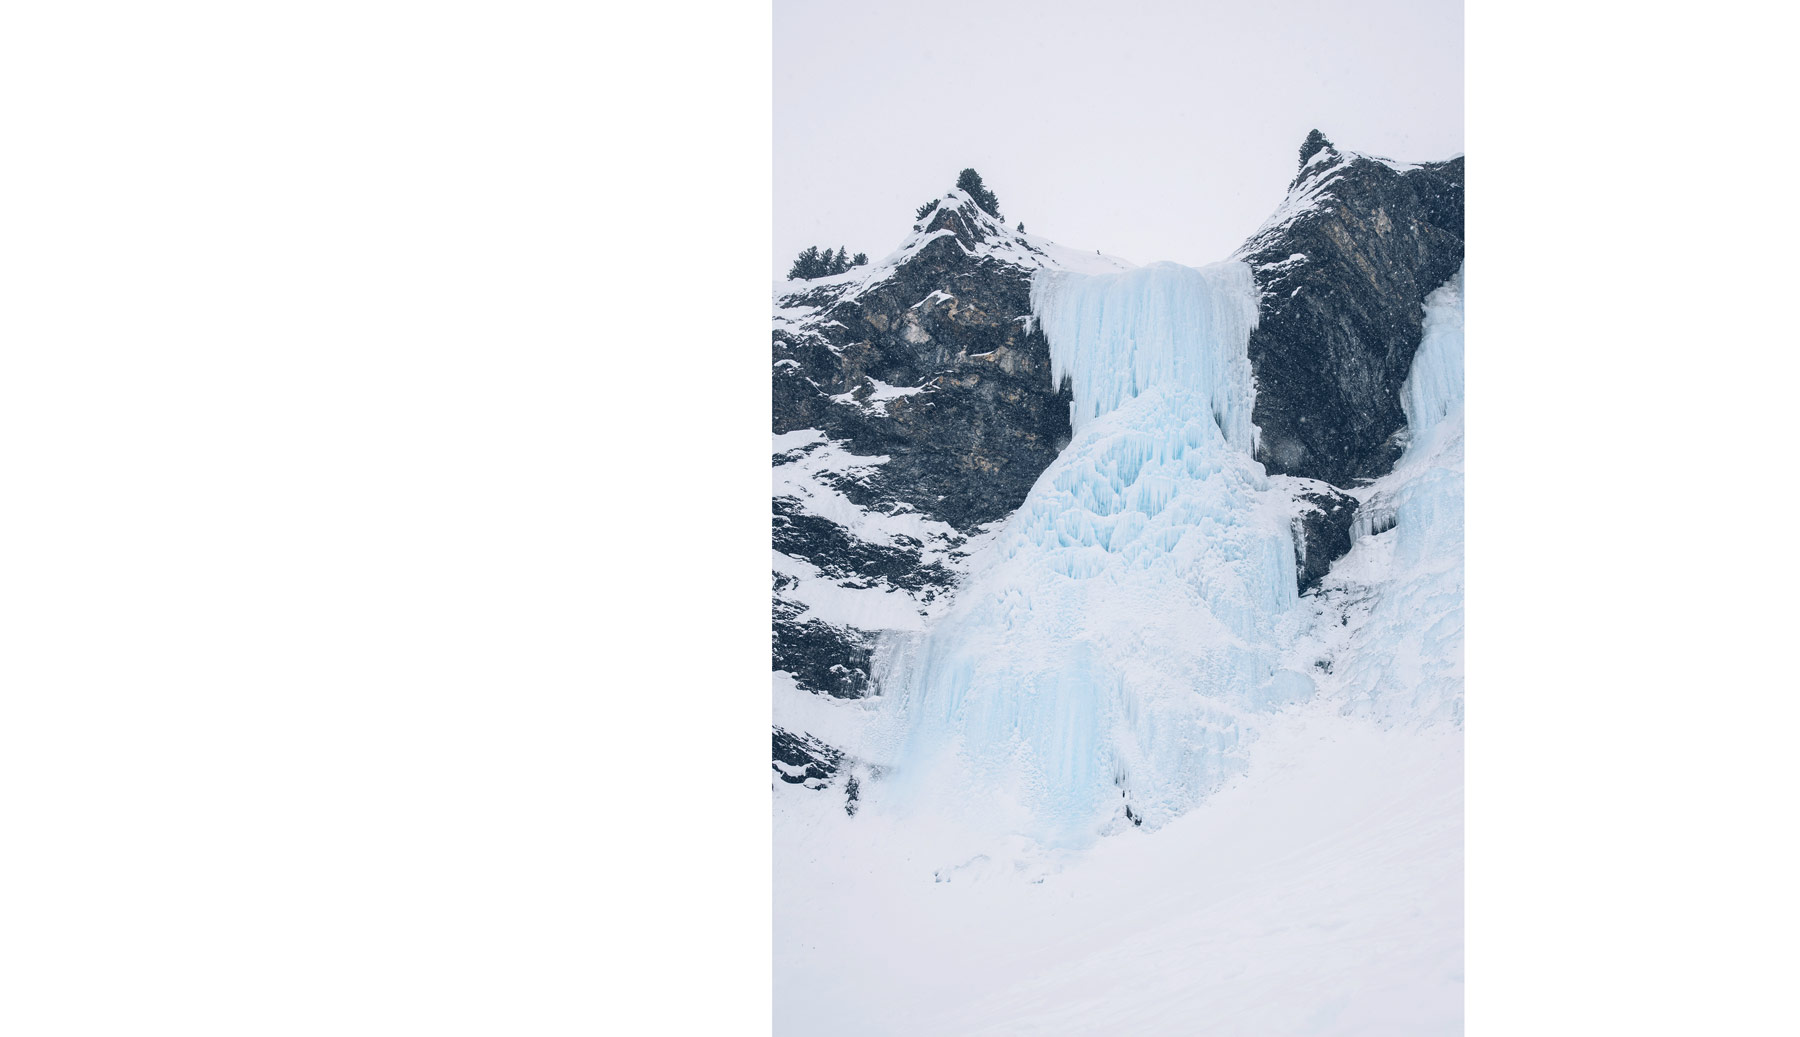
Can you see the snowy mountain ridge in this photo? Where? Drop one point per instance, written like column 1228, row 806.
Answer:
column 1322, row 166
column 978, row 233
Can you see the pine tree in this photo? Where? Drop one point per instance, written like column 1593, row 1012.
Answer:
column 813, row 263
column 860, row 259
column 925, row 210
column 1021, row 226
column 1315, row 143
column 806, row 265
column 970, row 181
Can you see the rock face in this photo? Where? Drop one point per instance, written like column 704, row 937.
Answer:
column 1344, row 267
column 975, row 418
column 804, row 760
column 1324, row 515
column 913, row 407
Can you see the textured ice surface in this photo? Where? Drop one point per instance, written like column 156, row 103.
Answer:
column 1102, row 665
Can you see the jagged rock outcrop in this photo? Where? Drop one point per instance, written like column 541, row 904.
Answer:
column 1325, row 515
column 975, row 418
column 1344, row 267
column 800, row 759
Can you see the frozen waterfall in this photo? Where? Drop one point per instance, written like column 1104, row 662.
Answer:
column 1399, row 656
column 1116, row 336
column 1107, row 659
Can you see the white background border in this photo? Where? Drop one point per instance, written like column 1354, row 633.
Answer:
column 385, row 605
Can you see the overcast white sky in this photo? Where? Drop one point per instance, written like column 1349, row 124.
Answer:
column 1165, row 129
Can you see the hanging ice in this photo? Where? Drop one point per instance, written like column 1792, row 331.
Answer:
column 1434, row 387
column 1102, row 668
column 1117, row 336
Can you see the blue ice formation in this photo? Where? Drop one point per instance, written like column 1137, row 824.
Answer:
column 1116, row 336
column 1105, row 663
column 1403, row 662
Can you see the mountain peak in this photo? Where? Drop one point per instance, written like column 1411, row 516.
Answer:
column 961, row 213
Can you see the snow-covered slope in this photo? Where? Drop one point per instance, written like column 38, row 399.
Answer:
column 1320, row 893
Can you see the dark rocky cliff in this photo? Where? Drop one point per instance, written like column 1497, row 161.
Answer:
column 951, row 321
column 1344, row 267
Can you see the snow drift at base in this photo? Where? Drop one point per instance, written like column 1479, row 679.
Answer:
column 1320, row 893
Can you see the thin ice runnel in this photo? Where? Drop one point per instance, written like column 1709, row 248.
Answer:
column 1103, row 669
column 1434, row 386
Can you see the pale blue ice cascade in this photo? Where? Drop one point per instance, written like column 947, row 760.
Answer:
column 1119, row 638
column 1116, row 336
column 1405, row 661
